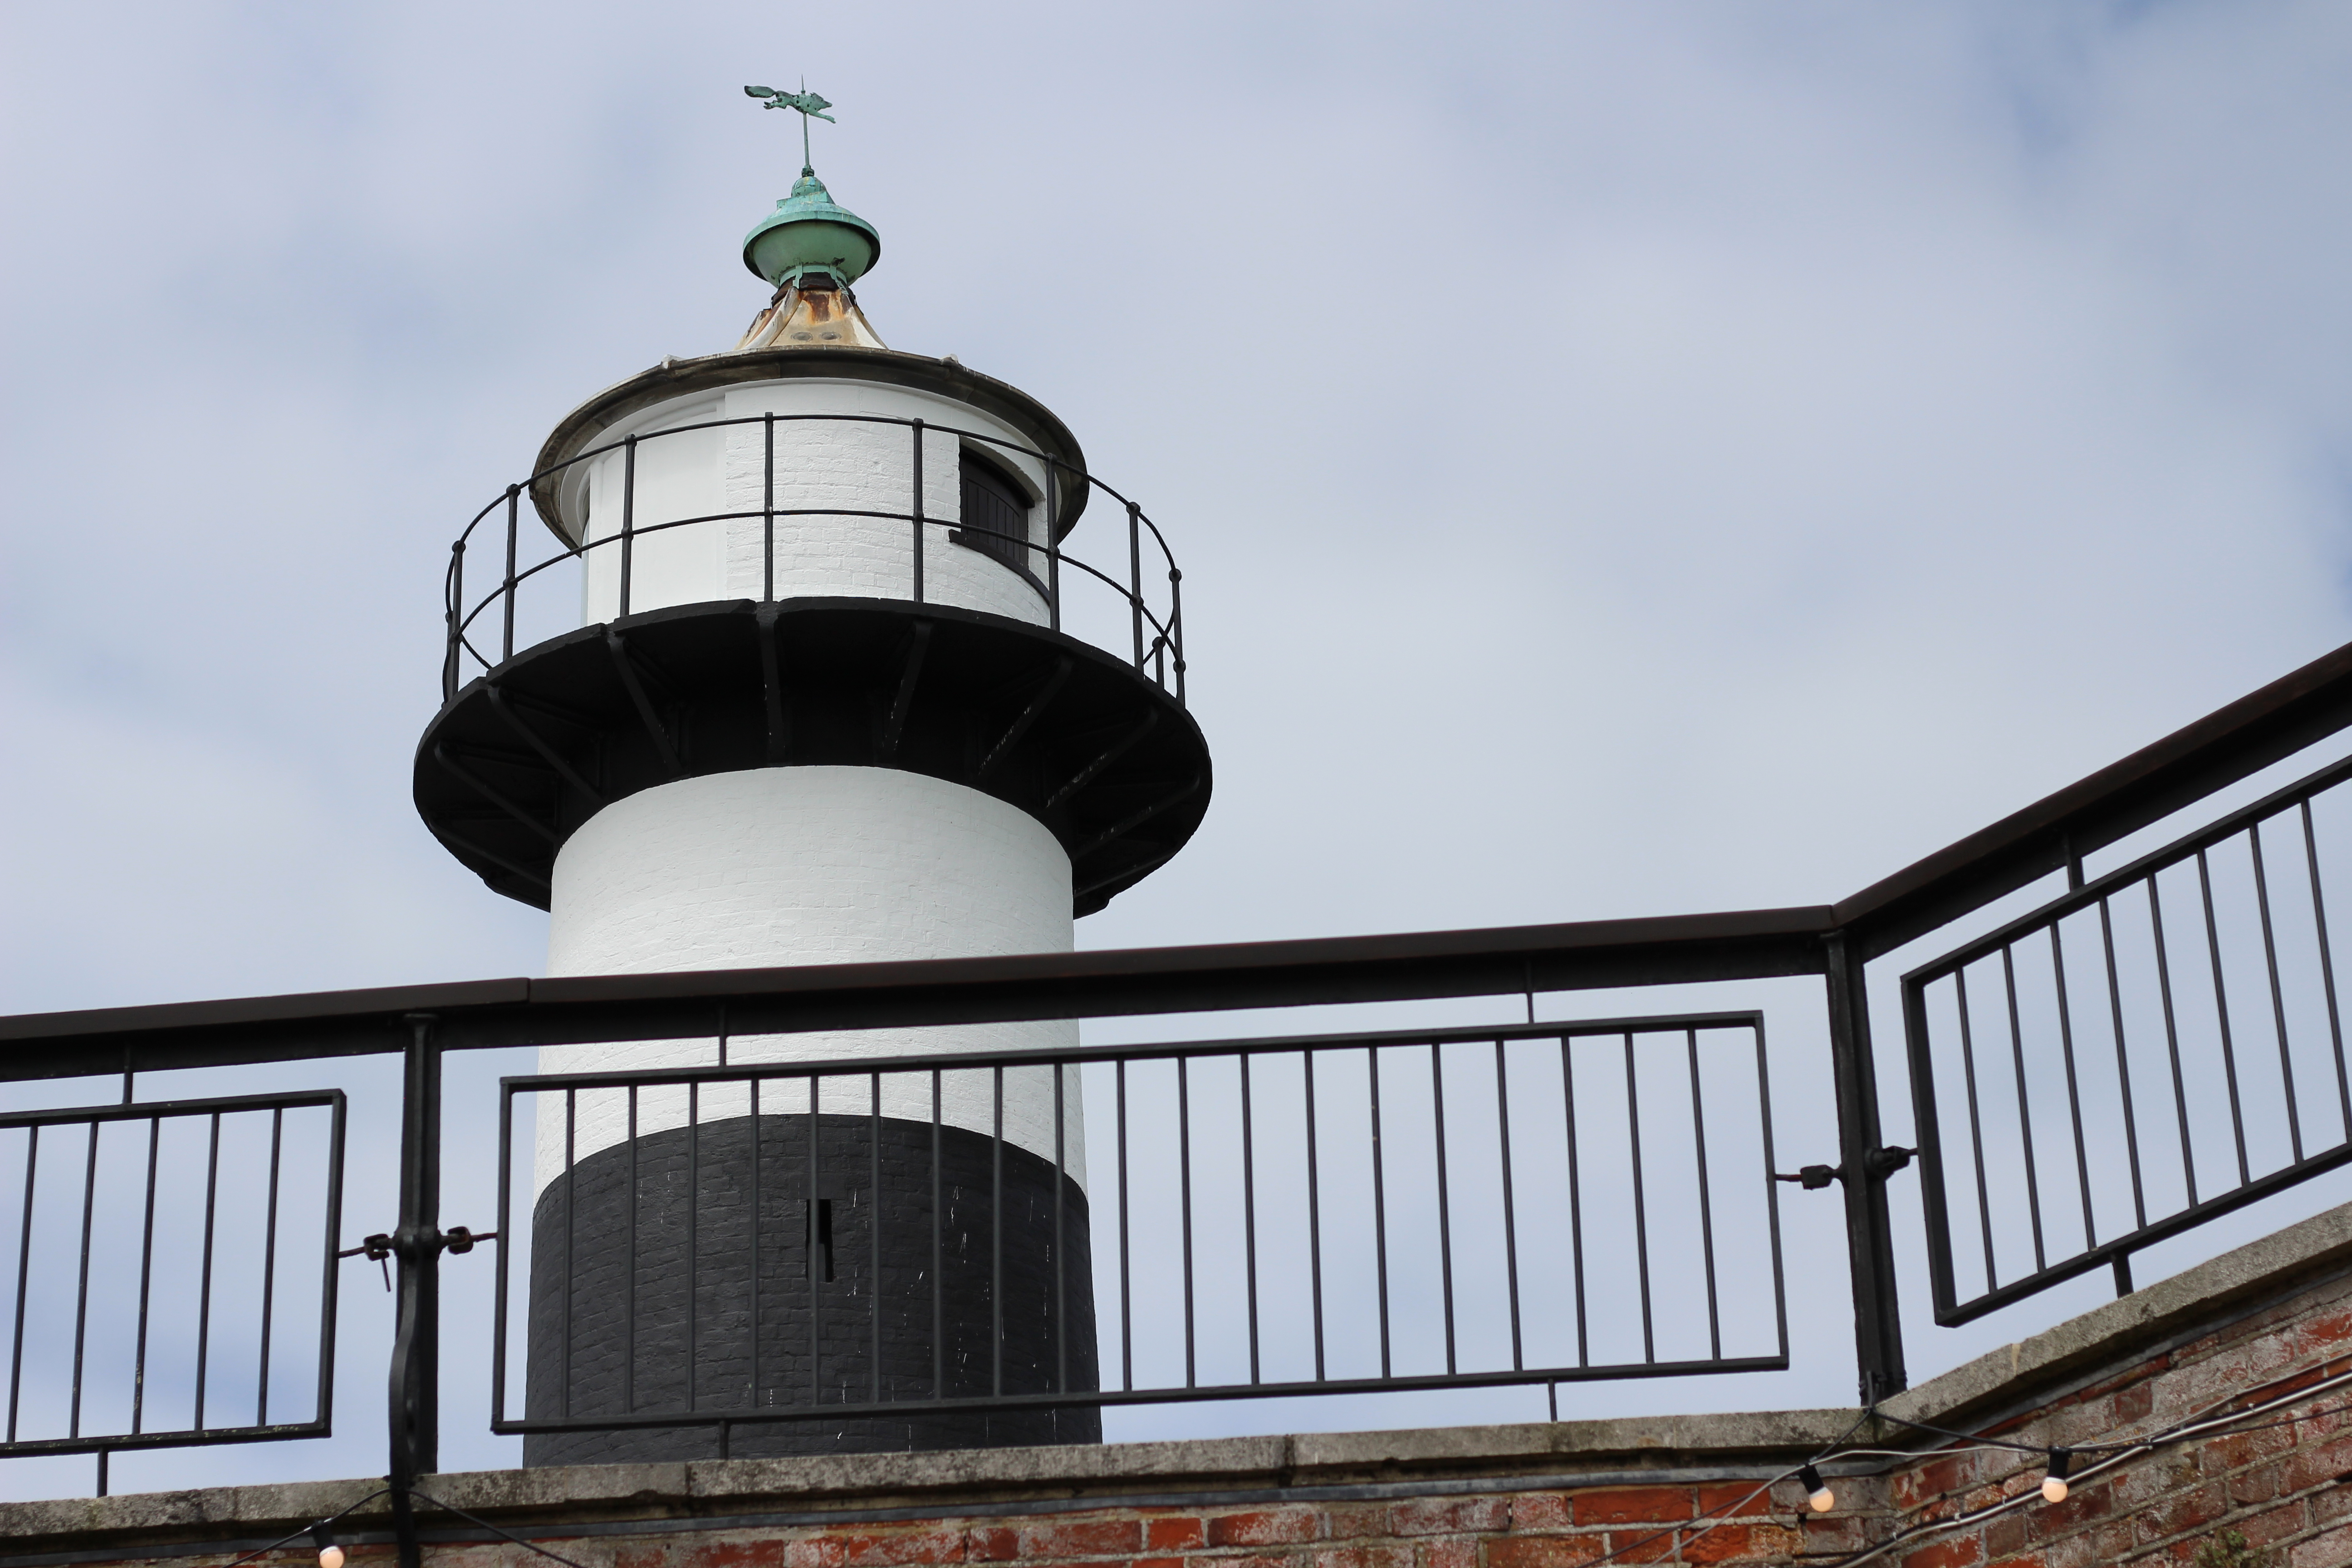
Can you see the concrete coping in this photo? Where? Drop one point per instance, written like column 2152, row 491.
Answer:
column 2183, row 1306
column 1227, row 1470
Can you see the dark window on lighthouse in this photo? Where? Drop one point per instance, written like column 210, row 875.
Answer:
column 995, row 515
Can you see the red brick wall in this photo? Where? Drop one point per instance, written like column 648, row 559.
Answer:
column 2284, row 1484
column 2286, row 1490
column 1520, row 1530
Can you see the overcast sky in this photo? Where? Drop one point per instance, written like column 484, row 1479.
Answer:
column 1625, row 458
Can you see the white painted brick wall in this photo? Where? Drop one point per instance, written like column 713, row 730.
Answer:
column 820, row 464
column 809, row 865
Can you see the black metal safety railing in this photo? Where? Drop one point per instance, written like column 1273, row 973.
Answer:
column 1372, row 1185
column 154, row 1184
column 2156, row 1048
column 1156, row 625
column 2243, row 902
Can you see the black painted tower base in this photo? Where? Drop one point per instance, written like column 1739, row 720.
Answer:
column 699, row 1294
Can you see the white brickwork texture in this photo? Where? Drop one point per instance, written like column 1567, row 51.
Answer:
column 819, row 463
column 809, row 865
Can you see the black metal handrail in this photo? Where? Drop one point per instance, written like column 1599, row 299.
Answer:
column 135, row 1424
column 2135, row 999
column 1157, row 630
column 1834, row 942
column 1445, row 1090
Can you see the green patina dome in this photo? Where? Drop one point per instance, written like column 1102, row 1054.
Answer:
column 810, row 232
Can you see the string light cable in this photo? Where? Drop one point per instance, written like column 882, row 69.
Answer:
column 494, row 1529
column 1819, row 1496
column 330, row 1555
column 317, row 1529
column 1808, row 1469
column 2061, row 1475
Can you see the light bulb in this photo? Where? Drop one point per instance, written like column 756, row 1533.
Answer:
column 1818, row 1495
column 331, row 1557
column 2053, row 1485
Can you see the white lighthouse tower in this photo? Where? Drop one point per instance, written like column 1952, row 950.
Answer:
column 820, row 709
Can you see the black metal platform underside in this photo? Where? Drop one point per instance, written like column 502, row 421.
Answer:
column 1110, row 763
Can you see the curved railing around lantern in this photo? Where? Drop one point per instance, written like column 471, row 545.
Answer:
column 1157, row 629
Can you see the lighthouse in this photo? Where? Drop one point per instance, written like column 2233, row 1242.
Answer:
column 827, row 701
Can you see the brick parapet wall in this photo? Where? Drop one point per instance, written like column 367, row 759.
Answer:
column 2263, row 1322
column 2282, row 1483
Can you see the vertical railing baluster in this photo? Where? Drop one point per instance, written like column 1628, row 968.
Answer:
column 759, row 1196
column 815, row 1273
column 1126, row 1268
column 571, row 1226
column 938, row 1292
column 2278, row 997
column 514, row 494
column 2327, row 972
column 693, row 1237
column 1052, row 550
column 874, row 1231
column 1575, row 1196
column 996, row 1239
column 2172, row 1039
column 1510, row 1212
column 2123, row 1065
column 1314, row 1212
column 269, row 1264
column 1641, row 1204
column 1061, row 1243
column 1705, row 1203
column 146, row 1279
column 629, row 1275
column 1445, row 1202
column 1976, row 1126
column 205, row 1289
column 917, row 511
column 1249, row 1214
column 23, row 1263
column 628, row 520
column 452, row 662
column 2024, row 1107
column 1185, row 1192
column 1176, row 627
column 2073, row 1088
column 2222, row 1015
column 1135, row 578
column 1379, row 1208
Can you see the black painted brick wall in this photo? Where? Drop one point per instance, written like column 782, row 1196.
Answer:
column 621, row 1266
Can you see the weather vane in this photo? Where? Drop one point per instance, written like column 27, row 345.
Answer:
column 804, row 101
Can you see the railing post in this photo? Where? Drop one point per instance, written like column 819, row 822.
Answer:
column 917, row 511
column 768, row 514
column 1135, row 577
column 628, row 520
column 456, row 619
column 514, row 493
column 1870, row 1245
column 1052, row 550
column 415, row 1378
column 1176, row 628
